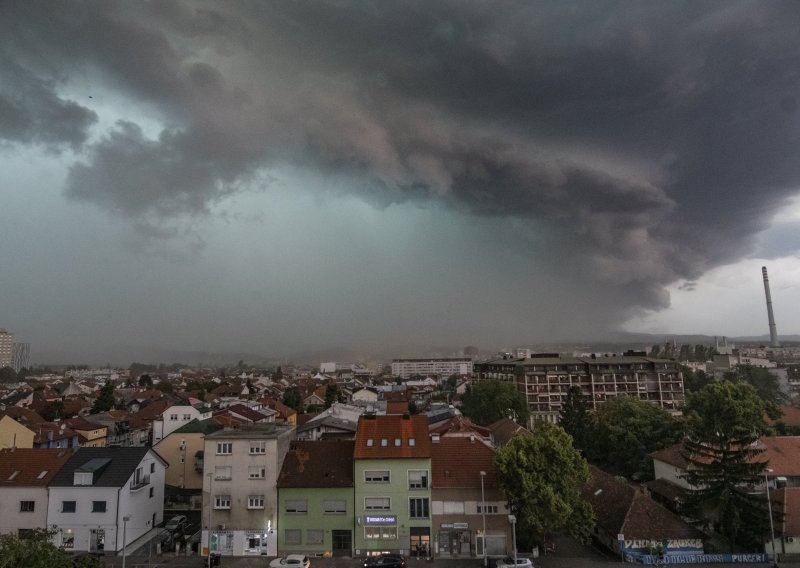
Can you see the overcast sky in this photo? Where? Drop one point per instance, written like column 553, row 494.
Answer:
column 281, row 176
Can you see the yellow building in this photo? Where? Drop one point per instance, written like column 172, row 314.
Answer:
column 14, row 435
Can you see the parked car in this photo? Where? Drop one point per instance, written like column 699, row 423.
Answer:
column 176, row 523
column 291, row 561
column 386, row 561
column 508, row 562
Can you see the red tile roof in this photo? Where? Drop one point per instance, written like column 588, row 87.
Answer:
column 31, row 463
column 457, row 461
column 318, row 464
column 622, row 508
column 373, row 430
column 782, row 453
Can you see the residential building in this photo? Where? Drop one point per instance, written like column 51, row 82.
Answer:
column 629, row 522
column 24, row 476
column 183, row 450
column 15, row 435
column 465, row 498
column 392, row 484
column 240, row 500
column 6, row 349
column 406, row 368
column 176, row 416
column 90, row 434
column 101, row 493
column 316, row 510
column 546, row 379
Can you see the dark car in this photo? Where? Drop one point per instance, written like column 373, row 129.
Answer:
column 386, row 561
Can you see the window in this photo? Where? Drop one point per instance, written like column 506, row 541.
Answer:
column 380, row 533
column 369, row 442
column 258, row 447
column 384, row 442
column 377, row 503
column 14, row 475
column 152, row 492
column 83, row 478
column 42, row 474
column 334, row 506
column 98, row 506
column 418, row 508
column 418, row 479
column 256, row 472
column 68, row 506
column 292, row 536
column 377, row 476
column 26, row 506
column 490, row 509
column 187, row 416
column 412, row 442
column 173, row 416
column 397, row 441
column 314, row 536
column 153, row 467
column 223, row 472
column 224, row 448
column 255, row 502
column 67, row 538
column 296, row 506
column 222, row 502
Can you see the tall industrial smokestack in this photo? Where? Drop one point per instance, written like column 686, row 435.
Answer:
column 773, row 331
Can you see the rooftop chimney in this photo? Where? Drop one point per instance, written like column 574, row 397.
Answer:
column 773, row 331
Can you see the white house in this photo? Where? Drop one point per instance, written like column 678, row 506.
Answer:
column 24, row 475
column 176, row 416
column 102, row 493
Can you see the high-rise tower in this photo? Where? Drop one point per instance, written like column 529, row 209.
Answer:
column 773, row 331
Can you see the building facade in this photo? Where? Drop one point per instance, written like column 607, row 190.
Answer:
column 546, row 380
column 392, row 479
column 240, row 504
column 406, row 368
column 316, row 512
column 6, row 349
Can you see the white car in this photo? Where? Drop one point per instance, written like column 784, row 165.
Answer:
column 291, row 561
column 508, row 562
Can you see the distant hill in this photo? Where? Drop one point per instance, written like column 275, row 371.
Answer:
column 617, row 342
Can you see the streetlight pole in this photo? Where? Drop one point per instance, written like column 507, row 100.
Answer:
column 210, row 507
column 125, row 520
column 483, row 514
column 513, row 520
column 771, row 523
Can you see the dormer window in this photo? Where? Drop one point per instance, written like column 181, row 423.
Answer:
column 83, row 478
column 397, row 442
column 370, row 442
column 384, row 442
column 412, row 442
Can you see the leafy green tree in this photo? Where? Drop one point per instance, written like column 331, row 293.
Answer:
column 576, row 419
column 165, row 386
column 8, row 375
column 542, row 475
column 23, row 373
column 694, row 380
column 53, row 411
column 724, row 422
column 35, row 550
column 293, row 399
column 105, row 399
column 145, row 380
column 487, row 401
column 766, row 385
column 331, row 394
column 627, row 431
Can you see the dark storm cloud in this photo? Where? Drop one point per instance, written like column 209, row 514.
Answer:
column 652, row 141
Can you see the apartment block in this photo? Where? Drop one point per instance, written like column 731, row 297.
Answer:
column 546, row 380
column 406, row 368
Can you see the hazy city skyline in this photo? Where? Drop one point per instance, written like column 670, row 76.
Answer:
column 279, row 177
